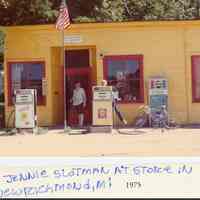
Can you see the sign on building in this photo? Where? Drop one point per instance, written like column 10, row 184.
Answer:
column 73, row 39
column 158, row 93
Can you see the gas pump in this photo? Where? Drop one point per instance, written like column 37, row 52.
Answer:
column 102, row 109
column 25, row 108
column 158, row 94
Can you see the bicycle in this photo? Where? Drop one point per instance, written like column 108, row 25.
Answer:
column 156, row 119
column 159, row 119
column 142, row 119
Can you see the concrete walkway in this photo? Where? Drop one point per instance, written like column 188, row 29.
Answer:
column 129, row 142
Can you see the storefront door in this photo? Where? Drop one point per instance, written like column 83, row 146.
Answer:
column 75, row 72
column 83, row 76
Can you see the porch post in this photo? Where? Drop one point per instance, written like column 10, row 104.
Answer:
column 66, row 128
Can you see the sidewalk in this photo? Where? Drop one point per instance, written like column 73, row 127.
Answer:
column 129, row 142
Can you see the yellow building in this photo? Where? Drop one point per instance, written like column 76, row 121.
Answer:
column 96, row 51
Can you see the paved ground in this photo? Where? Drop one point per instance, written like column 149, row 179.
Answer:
column 143, row 142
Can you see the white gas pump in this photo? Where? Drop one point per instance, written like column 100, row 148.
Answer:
column 102, row 109
column 25, row 108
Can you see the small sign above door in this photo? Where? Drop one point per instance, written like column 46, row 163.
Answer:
column 73, row 39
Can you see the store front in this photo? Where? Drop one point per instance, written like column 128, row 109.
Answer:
column 126, row 54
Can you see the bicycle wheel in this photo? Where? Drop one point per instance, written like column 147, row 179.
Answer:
column 155, row 121
column 173, row 124
column 140, row 122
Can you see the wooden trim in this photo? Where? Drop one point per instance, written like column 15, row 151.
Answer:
column 110, row 25
column 41, row 102
column 139, row 58
column 9, row 84
column 193, row 72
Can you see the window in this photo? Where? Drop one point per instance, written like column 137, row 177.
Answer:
column 26, row 75
column 196, row 78
column 125, row 74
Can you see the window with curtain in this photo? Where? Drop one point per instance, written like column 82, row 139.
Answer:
column 196, row 78
column 27, row 75
column 125, row 74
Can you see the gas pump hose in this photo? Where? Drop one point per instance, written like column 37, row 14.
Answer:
column 9, row 118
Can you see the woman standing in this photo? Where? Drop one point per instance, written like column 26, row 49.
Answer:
column 79, row 102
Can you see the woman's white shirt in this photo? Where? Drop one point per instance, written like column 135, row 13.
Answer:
column 79, row 97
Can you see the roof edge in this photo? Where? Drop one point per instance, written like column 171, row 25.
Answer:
column 94, row 25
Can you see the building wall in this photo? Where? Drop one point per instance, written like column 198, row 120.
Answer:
column 28, row 45
column 163, row 55
column 192, row 47
column 166, row 47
